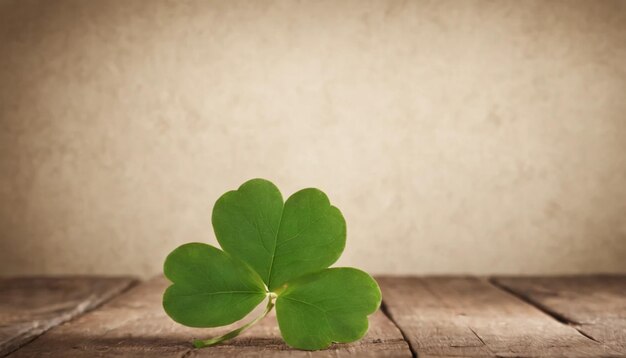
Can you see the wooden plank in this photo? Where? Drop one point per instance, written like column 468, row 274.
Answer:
column 31, row 305
column 135, row 325
column 594, row 305
column 447, row 316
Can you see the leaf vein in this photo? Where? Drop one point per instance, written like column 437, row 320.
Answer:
column 269, row 272
column 303, row 230
column 218, row 293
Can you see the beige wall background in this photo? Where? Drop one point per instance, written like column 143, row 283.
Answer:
column 456, row 136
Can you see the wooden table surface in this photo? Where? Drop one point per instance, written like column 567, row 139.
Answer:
column 578, row 316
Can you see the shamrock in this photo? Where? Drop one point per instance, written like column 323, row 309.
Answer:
column 275, row 250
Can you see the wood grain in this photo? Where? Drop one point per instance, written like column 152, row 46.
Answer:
column 30, row 306
column 470, row 317
column 594, row 305
column 134, row 324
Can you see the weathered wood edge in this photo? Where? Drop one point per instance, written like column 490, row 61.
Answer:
column 134, row 324
column 29, row 331
column 593, row 304
column 591, row 348
column 492, row 280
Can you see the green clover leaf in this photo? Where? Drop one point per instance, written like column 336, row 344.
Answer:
column 210, row 288
column 274, row 250
column 280, row 241
column 328, row 306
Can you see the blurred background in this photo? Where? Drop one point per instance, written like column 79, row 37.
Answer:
column 479, row 137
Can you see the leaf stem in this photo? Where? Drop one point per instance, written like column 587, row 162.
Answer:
column 200, row 343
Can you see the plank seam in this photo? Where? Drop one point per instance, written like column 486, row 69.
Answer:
column 73, row 316
column 479, row 338
column 384, row 309
column 543, row 308
column 187, row 353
